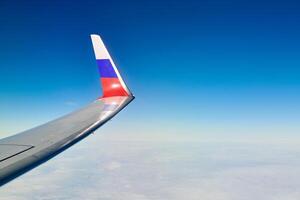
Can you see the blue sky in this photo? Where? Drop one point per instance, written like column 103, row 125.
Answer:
column 191, row 64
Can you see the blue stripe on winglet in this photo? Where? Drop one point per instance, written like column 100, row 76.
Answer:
column 106, row 69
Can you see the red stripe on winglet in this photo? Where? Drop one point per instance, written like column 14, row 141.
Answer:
column 112, row 87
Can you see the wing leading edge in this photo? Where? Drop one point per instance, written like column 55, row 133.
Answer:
column 24, row 151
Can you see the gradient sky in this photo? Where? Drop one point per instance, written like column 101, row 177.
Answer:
column 217, row 66
column 217, row 86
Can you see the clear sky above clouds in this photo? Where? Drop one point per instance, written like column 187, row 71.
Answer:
column 228, row 65
column 217, row 83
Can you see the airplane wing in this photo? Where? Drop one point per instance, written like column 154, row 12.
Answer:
column 24, row 151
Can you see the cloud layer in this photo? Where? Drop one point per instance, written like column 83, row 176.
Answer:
column 105, row 168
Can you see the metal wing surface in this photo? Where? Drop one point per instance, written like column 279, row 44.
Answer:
column 24, row 151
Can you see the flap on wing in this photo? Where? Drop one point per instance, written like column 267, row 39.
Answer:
column 10, row 150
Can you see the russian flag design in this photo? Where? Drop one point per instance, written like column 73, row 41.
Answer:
column 111, row 80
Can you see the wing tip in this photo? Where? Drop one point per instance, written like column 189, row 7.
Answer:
column 111, row 80
column 95, row 36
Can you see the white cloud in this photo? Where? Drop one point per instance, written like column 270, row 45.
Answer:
column 112, row 166
column 108, row 169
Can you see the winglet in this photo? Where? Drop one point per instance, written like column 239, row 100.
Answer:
column 111, row 80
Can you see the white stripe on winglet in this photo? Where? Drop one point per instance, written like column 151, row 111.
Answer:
column 99, row 48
